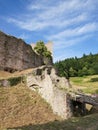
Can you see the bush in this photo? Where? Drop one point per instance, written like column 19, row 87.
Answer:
column 15, row 80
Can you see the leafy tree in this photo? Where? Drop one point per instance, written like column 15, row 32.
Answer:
column 41, row 49
column 47, row 53
column 84, row 71
column 91, row 71
column 72, row 72
column 95, row 67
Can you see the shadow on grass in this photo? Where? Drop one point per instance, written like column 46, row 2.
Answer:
column 81, row 123
column 94, row 79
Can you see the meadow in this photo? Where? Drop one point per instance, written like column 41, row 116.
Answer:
column 88, row 84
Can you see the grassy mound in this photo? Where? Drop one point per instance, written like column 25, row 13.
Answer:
column 20, row 106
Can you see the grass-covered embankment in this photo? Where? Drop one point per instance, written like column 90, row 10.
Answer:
column 21, row 106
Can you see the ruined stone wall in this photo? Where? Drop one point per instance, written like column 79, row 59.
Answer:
column 46, row 83
column 15, row 54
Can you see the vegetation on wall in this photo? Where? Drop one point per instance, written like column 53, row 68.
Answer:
column 41, row 49
column 77, row 67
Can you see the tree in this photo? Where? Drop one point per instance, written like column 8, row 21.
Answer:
column 95, row 67
column 72, row 72
column 91, row 71
column 41, row 49
column 83, row 72
column 86, row 65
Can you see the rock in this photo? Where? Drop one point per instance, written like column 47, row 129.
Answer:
column 4, row 83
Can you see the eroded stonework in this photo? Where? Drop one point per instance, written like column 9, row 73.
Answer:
column 15, row 54
column 45, row 81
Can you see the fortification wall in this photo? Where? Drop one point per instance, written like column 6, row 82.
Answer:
column 15, row 54
column 47, row 84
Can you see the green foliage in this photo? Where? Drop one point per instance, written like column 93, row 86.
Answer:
column 91, row 71
column 72, row 72
column 73, row 67
column 15, row 80
column 47, row 53
column 41, row 49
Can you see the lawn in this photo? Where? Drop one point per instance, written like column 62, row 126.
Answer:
column 89, row 84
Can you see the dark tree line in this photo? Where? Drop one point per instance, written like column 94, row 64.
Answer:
column 76, row 67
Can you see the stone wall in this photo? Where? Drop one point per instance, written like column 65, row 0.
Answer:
column 45, row 81
column 48, row 85
column 15, row 54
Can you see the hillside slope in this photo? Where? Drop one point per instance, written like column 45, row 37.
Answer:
column 20, row 106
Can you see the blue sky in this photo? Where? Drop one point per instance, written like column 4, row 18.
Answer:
column 72, row 25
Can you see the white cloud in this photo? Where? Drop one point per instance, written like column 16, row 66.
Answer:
column 33, row 7
column 31, row 24
column 24, row 36
column 37, row 5
column 61, row 44
column 90, row 27
column 82, row 30
column 57, row 14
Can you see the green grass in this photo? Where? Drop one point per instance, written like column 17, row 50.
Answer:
column 89, row 84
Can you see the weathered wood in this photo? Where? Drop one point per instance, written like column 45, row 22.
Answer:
column 86, row 99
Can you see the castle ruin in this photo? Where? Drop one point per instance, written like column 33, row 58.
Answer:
column 15, row 54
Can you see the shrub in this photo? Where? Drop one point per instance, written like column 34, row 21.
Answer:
column 15, row 80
